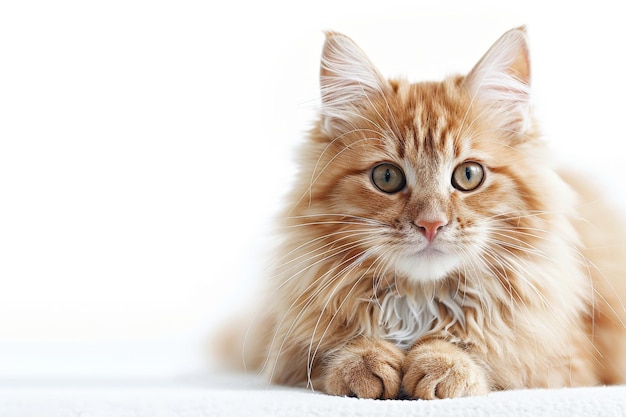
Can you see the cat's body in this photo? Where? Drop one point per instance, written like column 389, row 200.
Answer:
column 431, row 250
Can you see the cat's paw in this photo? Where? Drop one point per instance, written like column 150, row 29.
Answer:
column 439, row 369
column 365, row 368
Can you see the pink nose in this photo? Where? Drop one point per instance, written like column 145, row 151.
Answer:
column 430, row 229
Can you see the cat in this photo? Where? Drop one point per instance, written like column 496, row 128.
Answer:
column 430, row 248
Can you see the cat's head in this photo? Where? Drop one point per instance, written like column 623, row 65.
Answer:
column 424, row 180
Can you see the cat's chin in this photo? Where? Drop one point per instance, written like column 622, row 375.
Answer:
column 427, row 267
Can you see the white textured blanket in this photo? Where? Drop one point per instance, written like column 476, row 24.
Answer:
column 235, row 396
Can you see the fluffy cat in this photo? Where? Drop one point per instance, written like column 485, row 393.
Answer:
column 431, row 250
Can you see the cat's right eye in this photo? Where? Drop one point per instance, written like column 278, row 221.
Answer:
column 388, row 178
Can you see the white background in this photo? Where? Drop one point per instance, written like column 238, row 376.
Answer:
column 145, row 147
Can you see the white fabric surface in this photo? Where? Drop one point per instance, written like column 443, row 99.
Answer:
column 239, row 395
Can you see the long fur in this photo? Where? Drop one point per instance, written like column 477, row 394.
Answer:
column 522, row 286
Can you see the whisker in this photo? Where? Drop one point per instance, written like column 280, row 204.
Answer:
column 326, row 283
column 347, row 235
column 354, row 285
column 315, row 175
column 347, row 248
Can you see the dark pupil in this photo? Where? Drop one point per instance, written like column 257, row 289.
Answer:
column 468, row 173
column 387, row 175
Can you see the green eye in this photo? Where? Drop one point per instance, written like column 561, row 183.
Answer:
column 468, row 176
column 388, row 178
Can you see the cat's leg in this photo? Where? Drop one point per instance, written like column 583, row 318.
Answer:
column 365, row 368
column 439, row 369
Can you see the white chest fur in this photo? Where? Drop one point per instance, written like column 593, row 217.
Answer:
column 405, row 319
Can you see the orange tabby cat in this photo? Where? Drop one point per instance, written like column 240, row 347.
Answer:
column 430, row 248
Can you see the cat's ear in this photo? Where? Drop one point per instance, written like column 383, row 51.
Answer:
column 347, row 80
column 501, row 80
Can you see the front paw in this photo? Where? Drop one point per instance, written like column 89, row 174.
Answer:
column 365, row 368
column 439, row 369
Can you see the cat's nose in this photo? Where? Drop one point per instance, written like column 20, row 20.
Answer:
column 430, row 228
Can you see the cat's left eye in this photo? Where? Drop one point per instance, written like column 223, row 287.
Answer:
column 468, row 176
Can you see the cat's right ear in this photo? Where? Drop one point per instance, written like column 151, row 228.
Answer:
column 347, row 79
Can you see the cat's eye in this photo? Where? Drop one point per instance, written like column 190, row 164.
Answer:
column 388, row 178
column 468, row 176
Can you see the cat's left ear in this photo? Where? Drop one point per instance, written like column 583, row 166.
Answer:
column 348, row 79
column 501, row 80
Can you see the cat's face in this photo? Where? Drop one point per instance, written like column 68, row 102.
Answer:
column 424, row 179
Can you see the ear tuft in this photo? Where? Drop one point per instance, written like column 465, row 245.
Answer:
column 501, row 79
column 347, row 77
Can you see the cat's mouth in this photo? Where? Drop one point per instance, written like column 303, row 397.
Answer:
column 430, row 251
column 427, row 264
